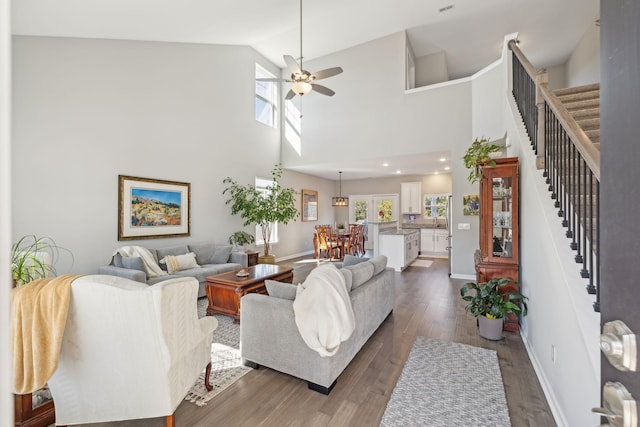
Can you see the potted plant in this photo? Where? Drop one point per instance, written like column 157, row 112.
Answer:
column 263, row 208
column 478, row 155
column 240, row 239
column 34, row 258
column 491, row 302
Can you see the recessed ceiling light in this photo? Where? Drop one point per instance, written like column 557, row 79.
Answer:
column 447, row 168
column 443, row 159
column 436, row 173
column 398, row 171
column 385, row 164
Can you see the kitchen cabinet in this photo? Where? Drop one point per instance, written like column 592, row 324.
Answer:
column 498, row 255
column 401, row 248
column 434, row 241
column 410, row 197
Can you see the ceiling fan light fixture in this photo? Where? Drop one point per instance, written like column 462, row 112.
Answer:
column 301, row 88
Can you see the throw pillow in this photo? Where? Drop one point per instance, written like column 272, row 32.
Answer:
column 221, row 255
column 203, row 251
column 117, row 260
column 379, row 264
column 361, row 273
column 161, row 253
column 180, row 262
column 133, row 263
column 353, row 260
column 280, row 289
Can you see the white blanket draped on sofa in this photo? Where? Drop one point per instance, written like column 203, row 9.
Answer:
column 323, row 311
column 153, row 269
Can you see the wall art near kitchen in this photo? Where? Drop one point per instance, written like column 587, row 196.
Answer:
column 309, row 205
column 152, row 208
column 471, row 204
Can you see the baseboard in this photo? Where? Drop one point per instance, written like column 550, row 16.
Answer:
column 557, row 413
column 298, row 255
column 463, row 276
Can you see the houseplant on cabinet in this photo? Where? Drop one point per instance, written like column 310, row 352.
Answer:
column 478, row 154
column 491, row 302
column 263, row 208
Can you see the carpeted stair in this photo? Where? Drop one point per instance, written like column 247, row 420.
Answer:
column 583, row 103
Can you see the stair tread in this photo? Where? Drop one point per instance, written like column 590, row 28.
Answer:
column 580, row 96
column 587, row 103
column 590, row 112
column 574, row 89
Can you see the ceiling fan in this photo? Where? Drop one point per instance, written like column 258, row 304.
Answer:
column 304, row 81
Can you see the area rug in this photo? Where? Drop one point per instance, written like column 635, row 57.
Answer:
column 446, row 384
column 421, row 263
column 226, row 363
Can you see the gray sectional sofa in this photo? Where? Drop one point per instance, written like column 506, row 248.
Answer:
column 270, row 337
column 212, row 259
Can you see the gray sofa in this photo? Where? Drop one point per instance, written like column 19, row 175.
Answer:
column 270, row 337
column 212, row 259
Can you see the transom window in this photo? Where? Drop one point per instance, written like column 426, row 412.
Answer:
column 266, row 98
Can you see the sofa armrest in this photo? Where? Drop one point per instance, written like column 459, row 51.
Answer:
column 239, row 258
column 127, row 273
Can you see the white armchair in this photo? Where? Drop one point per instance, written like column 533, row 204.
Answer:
column 129, row 350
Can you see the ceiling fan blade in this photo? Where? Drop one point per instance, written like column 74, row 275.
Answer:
column 290, row 95
column 322, row 89
column 329, row 72
column 272, row 79
column 292, row 64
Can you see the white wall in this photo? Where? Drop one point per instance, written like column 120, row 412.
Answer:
column 6, row 378
column 583, row 65
column 431, row 69
column 372, row 116
column 560, row 310
column 88, row 110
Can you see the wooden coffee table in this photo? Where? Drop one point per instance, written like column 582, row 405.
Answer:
column 225, row 290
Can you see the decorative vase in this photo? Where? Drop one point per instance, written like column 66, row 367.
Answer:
column 490, row 329
column 266, row 259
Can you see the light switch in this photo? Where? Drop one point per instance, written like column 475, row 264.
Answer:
column 464, row 226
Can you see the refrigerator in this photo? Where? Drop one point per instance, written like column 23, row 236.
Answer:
column 449, row 225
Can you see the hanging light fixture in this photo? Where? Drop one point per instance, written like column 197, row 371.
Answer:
column 340, row 201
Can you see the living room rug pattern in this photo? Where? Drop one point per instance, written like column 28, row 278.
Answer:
column 447, row 384
column 226, row 363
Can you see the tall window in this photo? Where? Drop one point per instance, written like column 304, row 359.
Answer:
column 293, row 126
column 266, row 98
column 262, row 186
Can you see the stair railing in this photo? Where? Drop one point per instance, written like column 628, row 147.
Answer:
column 570, row 161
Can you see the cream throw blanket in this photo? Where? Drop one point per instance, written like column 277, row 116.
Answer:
column 39, row 311
column 150, row 264
column 323, row 311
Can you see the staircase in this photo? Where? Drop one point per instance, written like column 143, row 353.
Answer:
column 564, row 129
column 583, row 103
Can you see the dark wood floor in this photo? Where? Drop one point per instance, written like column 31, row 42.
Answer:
column 427, row 304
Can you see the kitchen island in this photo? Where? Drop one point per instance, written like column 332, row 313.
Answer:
column 399, row 246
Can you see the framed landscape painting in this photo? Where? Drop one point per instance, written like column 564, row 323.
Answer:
column 151, row 208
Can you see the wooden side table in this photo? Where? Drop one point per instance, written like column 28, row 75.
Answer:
column 252, row 258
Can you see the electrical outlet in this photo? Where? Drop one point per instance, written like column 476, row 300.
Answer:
column 553, row 353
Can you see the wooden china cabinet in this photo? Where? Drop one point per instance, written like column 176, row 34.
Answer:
column 498, row 255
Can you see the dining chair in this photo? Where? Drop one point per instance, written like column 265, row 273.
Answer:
column 327, row 243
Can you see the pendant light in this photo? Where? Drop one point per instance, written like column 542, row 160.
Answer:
column 341, row 202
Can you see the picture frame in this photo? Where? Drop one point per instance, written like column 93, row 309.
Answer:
column 153, row 208
column 309, row 205
column 471, row 204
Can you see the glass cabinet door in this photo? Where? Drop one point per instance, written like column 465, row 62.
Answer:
column 502, row 217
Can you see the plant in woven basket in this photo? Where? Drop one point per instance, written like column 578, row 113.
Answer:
column 264, row 208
